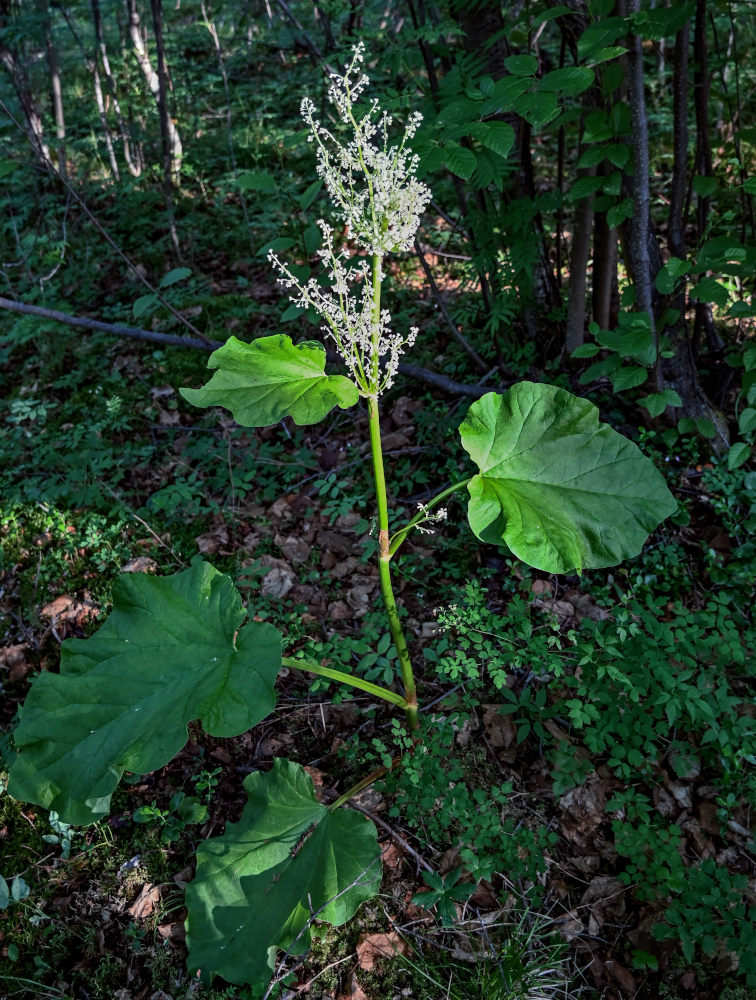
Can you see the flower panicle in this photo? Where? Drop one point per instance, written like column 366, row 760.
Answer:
column 349, row 318
column 375, row 191
column 371, row 183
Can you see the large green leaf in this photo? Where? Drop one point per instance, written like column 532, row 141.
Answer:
column 287, row 860
column 168, row 653
column 272, row 378
column 561, row 490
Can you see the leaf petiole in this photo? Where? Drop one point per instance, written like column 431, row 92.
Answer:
column 398, row 537
column 344, row 678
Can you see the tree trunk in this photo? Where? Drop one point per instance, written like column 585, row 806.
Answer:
column 17, row 73
column 482, row 25
column 133, row 165
column 678, row 188
column 605, row 288
column 704, row 321
column 639, row 230
column 56, row 89
column 100, row 100
column 580, row 251
column 169, row 134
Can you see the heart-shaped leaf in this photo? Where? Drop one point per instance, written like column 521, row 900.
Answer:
column 561, row 490
column 272, row 378
column 288, row 860
column 168, row 653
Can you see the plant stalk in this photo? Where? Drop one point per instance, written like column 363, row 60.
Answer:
column 389, row 601
column 397, row 634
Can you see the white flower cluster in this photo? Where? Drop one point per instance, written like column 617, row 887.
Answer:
column 369, row 349
column 373, row 186
column 376, row 193
column 430, row 517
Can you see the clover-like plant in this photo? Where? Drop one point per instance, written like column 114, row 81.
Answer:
column 562, row 491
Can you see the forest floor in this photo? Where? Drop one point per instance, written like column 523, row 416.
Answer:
column 601, row 824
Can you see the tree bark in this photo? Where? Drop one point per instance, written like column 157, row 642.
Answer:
column 639, row 230
column 56, row 89
column 133, row 165
column 678, row 188
column 605, row 288
column 704, row 321
column 169, row 133
column 580, row 251
column 17, row 73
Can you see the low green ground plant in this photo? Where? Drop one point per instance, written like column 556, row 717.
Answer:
column 522, row 957
column 652, row 691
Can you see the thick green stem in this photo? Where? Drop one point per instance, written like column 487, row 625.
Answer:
column 397, row 634
column 343, row 678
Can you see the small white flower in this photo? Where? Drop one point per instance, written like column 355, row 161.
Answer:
column 430, row 517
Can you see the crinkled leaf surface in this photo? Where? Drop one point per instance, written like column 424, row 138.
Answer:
column 167, row 654
column 289, row 858
column 561, row 490
column 272, row 378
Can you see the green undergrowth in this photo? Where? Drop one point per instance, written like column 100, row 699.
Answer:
column 75, row 891
column 650, row 696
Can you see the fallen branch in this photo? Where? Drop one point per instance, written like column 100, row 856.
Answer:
column 443, row 382
column 114, row 328
column 119, row 330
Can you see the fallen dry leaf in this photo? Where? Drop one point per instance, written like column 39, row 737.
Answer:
column 211, row 541
column 586, row 607
column 391, row 855
column 294, row 549
column 605, row 898
column 402, row 411
column 14, row 659
column 571, row 926
column 620, row 974
column 279, row 579
column 146, row 901
column 358, row 596
column 174, row 933
column 563, row 610
column 318, row 778
column 68, row 609
column 338, row 611
column 142, row 564
column 339, row 567
column 373, row 947
column 583, row 811
column 281, row 507
column 353, row 991
column 499, row 729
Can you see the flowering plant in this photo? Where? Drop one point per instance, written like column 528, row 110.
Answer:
column 560, row 490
